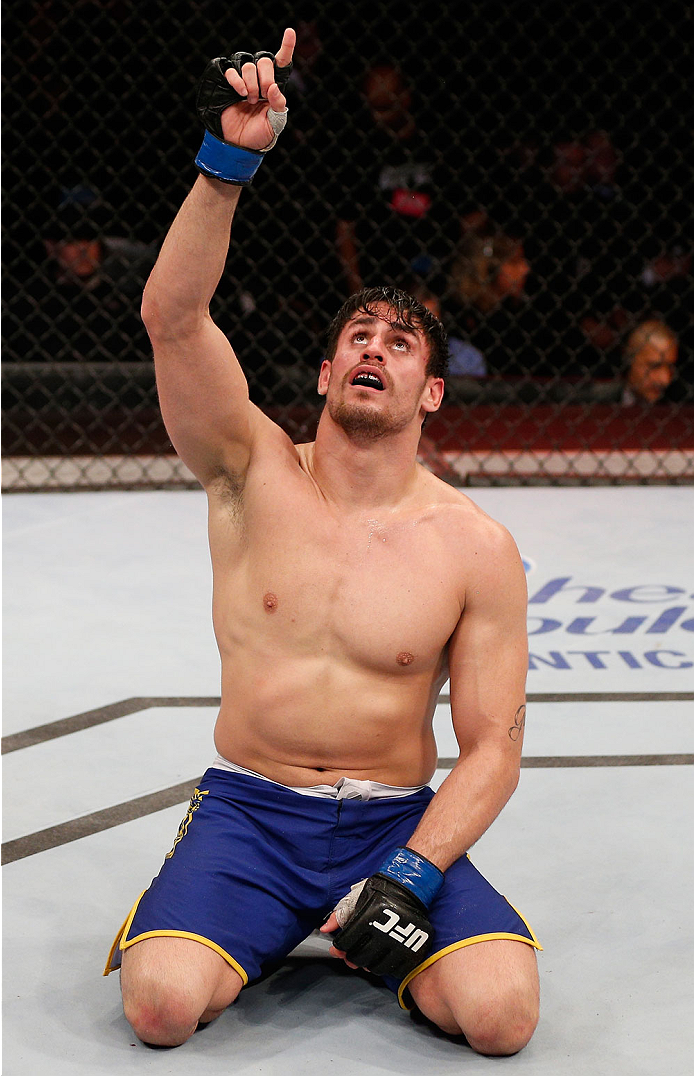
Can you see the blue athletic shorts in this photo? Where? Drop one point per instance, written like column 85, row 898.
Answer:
column 256, row 867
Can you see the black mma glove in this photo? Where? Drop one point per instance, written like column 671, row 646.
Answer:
column 384, row 923
column 217, row 157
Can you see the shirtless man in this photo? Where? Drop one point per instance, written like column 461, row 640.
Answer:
column 348, row 580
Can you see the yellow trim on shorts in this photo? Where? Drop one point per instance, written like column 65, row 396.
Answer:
column 530, row 930
column 462, row 945
column 110, row 966
column 112, row 951
column 123, row 945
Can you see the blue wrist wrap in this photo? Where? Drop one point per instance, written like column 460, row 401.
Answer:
column 223, row 160
column 414, row 872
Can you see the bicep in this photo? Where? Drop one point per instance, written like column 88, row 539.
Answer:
column 488, row 656
column 203, row 395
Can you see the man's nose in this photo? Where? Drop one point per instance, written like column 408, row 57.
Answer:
column 375, row 352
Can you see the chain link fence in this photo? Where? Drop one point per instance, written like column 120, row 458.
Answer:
column 524, row 169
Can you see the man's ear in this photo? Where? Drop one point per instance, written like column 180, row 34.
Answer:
column 324, row 377
column 433, row 394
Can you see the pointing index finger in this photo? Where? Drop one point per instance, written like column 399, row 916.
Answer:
column 286, row 49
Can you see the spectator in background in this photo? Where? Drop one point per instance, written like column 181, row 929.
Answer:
column 84, row 255
column 650, row 283
column 650, row 356
column 486, row 299
column 464, row 360
column 87, row 307
column 489, row 269
column 586, row 164
column 394, row 198
column 626, row 259
column 580, row 245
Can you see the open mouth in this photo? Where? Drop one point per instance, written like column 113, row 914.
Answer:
column 368, row 379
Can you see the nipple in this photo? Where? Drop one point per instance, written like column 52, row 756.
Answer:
column 270, row 602
column 405, row 658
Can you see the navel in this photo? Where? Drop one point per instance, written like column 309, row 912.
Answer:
column 405, row 658
column 270, row 601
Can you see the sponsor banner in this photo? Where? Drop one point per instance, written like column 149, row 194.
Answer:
column 581, row 625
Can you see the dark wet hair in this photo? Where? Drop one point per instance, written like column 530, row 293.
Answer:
column 404, row 308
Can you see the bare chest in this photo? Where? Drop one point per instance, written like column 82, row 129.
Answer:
column 383, row 592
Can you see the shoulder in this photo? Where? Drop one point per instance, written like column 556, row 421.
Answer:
column 488, row 549
column 456, row 510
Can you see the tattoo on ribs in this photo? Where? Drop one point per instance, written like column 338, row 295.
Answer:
column 518, row 725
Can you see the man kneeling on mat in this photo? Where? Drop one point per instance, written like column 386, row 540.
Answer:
column 349, row 583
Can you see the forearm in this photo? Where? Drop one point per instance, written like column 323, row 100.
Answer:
column 191, row 261
column 466, row 804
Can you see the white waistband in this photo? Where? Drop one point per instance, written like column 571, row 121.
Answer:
column 344, row 789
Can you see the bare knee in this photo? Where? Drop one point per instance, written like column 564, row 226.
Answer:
column 161, row 1017
column 497, row 1025
column 159, row 1006
column 168, row 985
column 501, row 1030
column 489, row 992
column 166, row 1015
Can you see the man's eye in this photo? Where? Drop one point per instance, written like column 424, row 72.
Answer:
column 358, row 337
column 402, row 345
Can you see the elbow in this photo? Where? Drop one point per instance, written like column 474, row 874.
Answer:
column 165, row 320
column 507, row 766
column 153, row 309
column 512, row 765
column 506, row 780
column 149, row 311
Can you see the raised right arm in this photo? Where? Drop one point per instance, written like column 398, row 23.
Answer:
column 203, row 392
column 202, row 389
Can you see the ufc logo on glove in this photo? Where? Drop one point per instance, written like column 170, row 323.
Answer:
column 372, row 915
column 413, row 941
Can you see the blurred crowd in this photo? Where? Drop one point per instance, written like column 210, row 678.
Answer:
column 548, row 255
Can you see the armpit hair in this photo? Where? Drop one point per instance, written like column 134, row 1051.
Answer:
column 229, row 486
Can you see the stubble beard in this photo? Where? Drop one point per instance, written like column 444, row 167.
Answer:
column 366, row 423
